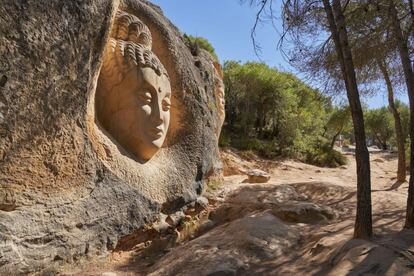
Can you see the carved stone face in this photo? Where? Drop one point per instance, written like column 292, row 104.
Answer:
column 137, row 112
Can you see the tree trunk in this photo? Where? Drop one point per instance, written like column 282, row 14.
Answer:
column 402, row 168
column 325, row 129
column 379, row 143
column 334, row 138
column 409, row 80
column 363, row 222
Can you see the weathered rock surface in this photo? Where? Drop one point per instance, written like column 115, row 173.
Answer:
column 256, row 225
column 256, row 237
column 67, row 190
column 305, row 212
column 232, row 164
column 283, row 201
column 257, row 176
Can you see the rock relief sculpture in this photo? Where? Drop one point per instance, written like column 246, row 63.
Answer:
column 133, row 97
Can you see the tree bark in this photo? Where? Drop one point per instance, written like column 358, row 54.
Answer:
column 325, row 129
column 334, row 138
column 379, row 141
column 409, row 80
column 363, row 222
column 402, row 167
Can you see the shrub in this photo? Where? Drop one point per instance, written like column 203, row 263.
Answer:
column 224, row 140
column 275, row 114
column 195, row 43
column 325, row 156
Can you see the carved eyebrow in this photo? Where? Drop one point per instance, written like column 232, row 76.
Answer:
column 148, row 86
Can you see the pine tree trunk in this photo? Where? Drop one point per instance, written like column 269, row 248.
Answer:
column 409, row 80
column 402, row 167
column 363, row 222
column 334, row 138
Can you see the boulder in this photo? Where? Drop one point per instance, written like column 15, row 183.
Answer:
column 304, row 212
column 257, row 176
column 74, row 176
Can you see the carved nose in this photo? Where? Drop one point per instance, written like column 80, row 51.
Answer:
column 156, row 115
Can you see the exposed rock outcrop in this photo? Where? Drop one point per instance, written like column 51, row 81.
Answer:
column 257, row 176
column 69, row 187
column 258, row 237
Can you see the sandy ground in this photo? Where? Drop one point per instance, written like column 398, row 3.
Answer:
column 325, row 248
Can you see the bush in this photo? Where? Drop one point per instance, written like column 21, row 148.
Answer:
column 316, row 152
column 325, row 156
column 195, row 43
column 270, row 112
column 224, row 140
column 276, row 114
column 263, row 148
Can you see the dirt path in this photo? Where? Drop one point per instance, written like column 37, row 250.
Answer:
column 328, row 249
column 300, row 222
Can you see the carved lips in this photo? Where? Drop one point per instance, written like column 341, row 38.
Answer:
column 156, row 132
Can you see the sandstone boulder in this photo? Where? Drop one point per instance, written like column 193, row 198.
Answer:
column 257, row 176
column 75, row 177
column 304, row 212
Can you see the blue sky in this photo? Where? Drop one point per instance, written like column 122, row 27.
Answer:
column 227, row 25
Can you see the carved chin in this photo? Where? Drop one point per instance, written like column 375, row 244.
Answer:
column 158, row 143
column 149, row 147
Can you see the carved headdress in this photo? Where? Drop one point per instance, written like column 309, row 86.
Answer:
column 129, row 47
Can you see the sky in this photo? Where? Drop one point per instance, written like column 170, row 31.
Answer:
column 227, row 25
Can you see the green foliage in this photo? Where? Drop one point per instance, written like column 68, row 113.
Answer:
column 225, row 139
column 195, row 43
column 404, row 111
column 339, row 121
column 339, row 117
column 379, row 125
column 214, row 184
column 275, row 114
column 265, row 148
column 322, row 154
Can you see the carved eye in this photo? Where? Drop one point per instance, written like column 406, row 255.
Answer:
column 166, row 104
column 145, row 97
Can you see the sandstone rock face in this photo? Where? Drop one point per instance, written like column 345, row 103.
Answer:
column 71, row 185
column 219, row 94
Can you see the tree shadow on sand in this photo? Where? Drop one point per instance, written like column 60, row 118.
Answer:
column 397, row 184
column 389, row 254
